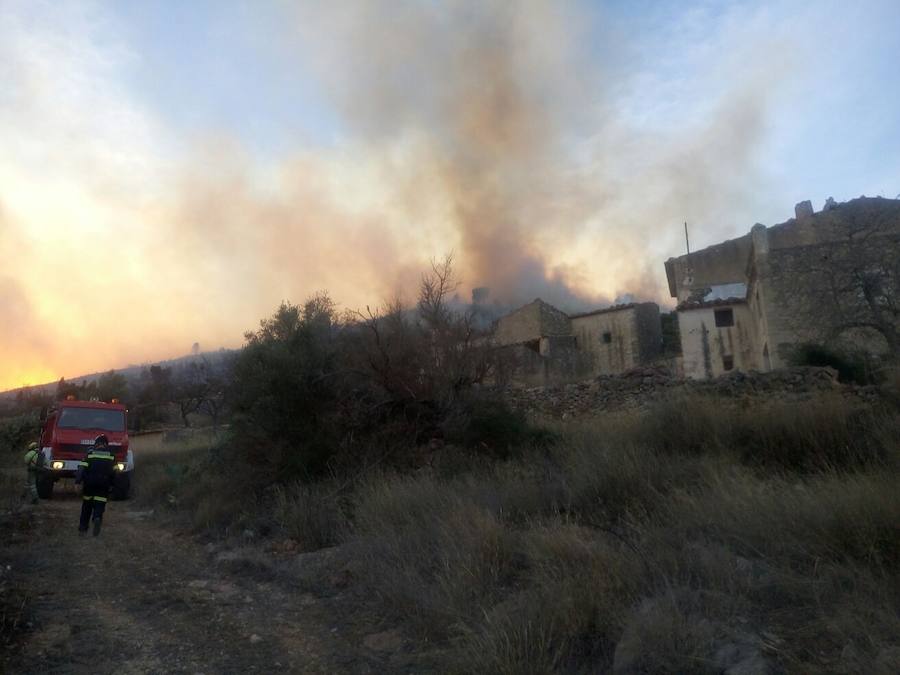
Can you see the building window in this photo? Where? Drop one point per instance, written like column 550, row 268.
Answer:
column 607, row 338
column 724, row 318
column 727, row 362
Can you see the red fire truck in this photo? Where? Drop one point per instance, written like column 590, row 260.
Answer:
column 68, row 431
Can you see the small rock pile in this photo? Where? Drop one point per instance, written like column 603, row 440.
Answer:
column 642, row 387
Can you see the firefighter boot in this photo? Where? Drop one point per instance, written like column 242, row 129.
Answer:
column 97, row 522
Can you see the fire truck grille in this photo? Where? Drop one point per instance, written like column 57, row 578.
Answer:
column 75, row 448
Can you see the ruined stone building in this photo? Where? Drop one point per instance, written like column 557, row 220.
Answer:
column 830, row 278
column 607, row 341
column 619, row 338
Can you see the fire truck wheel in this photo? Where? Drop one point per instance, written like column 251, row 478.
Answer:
column 45, row 487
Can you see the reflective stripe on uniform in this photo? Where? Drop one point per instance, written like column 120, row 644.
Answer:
column 99, row 499
column 94, row 455
column 83, row 464
column 94, row 497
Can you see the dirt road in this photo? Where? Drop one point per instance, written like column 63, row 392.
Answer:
column 143, row 599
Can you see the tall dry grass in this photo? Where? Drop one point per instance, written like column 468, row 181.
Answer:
column 688, row 539
column 695, row 537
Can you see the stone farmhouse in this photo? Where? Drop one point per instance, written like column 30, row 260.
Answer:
column 830, row 278
column 606, row 341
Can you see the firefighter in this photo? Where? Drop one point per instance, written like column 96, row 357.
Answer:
column 95, row 472
column 34, row 460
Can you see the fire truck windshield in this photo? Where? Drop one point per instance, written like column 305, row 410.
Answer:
column 91, row 418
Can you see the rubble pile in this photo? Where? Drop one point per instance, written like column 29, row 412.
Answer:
column 641, row 387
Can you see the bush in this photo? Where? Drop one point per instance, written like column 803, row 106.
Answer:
column 284, row 392
column 851, row 367
column 16, row 432
column 490, row 426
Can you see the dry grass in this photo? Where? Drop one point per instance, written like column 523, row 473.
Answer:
column 689, row 539
column 679, row 543
column 192, row 481
column 311, row 515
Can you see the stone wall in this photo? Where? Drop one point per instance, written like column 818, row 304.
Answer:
column 831, row 278
column 719, row 264
column 644, row 387
column 840, row 290
column 609, row 338
column 530, row 323
column 559, row 362
column 619, row 338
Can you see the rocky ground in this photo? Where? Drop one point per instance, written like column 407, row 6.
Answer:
column 142, row 598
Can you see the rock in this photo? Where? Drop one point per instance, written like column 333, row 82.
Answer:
column 255, row 639
column 803, row 210
column 285, row 546
column 386, row 641
column 224, row 589
column 229, row 556
column 743, row 656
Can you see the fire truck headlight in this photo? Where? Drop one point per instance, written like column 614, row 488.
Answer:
column 58, row 465
column 120, row 466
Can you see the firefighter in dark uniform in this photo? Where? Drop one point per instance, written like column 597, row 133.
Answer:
column 95, row 473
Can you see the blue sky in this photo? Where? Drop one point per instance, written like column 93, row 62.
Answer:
column 223, row 156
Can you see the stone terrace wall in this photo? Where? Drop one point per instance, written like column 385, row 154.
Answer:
column 644, row 386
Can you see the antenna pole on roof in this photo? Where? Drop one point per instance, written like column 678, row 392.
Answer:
column 687, row 241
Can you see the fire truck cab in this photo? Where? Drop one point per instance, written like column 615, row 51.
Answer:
column 67, row 433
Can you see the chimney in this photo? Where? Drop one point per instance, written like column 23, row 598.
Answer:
column 803, row 210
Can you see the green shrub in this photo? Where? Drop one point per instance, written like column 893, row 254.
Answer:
column 16, row 432
column 851, row 367
column 490, row 426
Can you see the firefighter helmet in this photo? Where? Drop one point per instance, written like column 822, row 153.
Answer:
column 101, row 440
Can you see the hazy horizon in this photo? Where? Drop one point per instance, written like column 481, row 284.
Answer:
column 170, row 172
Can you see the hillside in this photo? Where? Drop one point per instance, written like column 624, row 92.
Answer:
column 131, row 372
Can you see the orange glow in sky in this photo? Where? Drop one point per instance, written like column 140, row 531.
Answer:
column 161, row 187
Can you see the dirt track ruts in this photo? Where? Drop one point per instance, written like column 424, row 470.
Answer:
column 142, row 598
